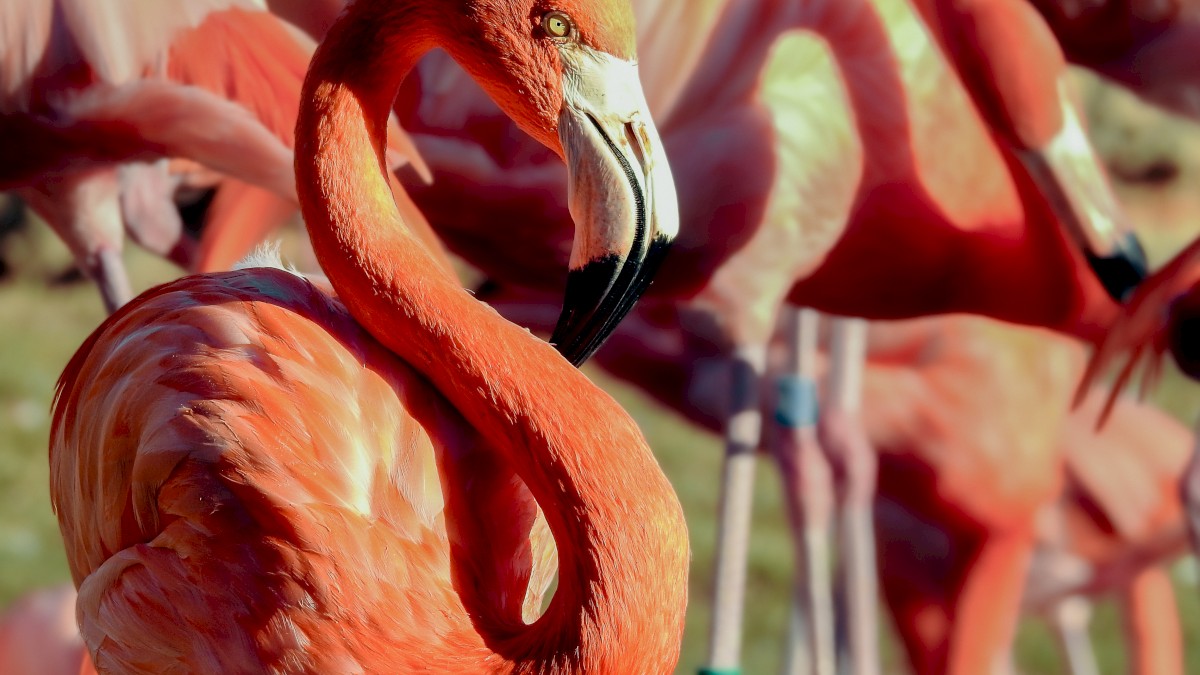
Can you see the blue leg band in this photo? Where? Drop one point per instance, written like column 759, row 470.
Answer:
column 797, row 405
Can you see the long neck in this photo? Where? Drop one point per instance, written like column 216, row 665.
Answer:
column 617, row 525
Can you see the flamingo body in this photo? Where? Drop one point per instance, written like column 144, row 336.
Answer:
column 234, row 465
column 226, row 509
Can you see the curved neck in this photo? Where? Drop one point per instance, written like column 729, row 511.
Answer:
column 617, row 524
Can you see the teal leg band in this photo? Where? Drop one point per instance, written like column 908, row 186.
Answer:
column 797, row 406
column 719, row 671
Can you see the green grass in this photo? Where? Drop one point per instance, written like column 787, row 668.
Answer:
column 43, row 324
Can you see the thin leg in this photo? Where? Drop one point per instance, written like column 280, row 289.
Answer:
column 743, row 431
column 1071, row 617
column 84, row 211
column 988, row 604
column 808, row 489
column 845, row 441
column 110, row 276
column 1151, row 622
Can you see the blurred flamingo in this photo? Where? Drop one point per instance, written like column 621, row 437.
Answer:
column 1014, row 69
column 38, row 635
column 93, row 93
column 1163, row 316
column 270, row 524
column 1117, row 521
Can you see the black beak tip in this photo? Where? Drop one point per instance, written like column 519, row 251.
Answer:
column 584, row 305
column 598, row 296
column 1122, row 271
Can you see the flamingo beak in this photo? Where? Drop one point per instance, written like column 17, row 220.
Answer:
column 1123, row 269
column 621, row 196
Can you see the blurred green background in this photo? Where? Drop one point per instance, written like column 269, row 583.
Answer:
column 46, row 312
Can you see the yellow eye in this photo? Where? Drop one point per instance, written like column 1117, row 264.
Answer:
column 557, row 25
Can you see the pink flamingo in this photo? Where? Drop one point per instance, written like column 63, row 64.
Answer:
column 95, row 93
column 38, row 635
column 1117, row 520
column 92, row 93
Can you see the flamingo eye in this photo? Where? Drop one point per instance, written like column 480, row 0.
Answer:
column 557, row 25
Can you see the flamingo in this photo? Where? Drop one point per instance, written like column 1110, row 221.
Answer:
column 38, row 635
column 1117, row 521
column 250, row 472
column 1014, row 69
column 96, row 94
column 92, row 94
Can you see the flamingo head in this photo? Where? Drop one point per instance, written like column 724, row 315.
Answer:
column 565, row 71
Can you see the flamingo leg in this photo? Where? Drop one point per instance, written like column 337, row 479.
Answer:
column 808, row 489
column 108, row 269
column 844, row 440
column 1071, row 617
column 988, row 604
column 743, row 431
column 84, row 210
column 1151, row 623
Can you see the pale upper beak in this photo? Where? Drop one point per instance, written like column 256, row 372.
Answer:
column 621, row 196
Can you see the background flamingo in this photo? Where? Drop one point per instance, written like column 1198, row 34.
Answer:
column 38, row 635
column 94, row 94
column 1117, row 521
column 89, row 91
